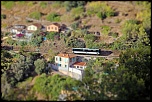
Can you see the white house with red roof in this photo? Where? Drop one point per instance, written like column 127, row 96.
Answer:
column 68, row 63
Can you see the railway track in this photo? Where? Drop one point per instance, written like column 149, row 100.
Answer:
column 110, row 56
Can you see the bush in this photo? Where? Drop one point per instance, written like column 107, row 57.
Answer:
column 43, row 4
column 75, row 25
column 31, row 3
column 90, row 37
column 51, row 35
column 117, row 20
column 56, row 4
column 101, row 15
column 9, row 4
column 102, row 10
column 105, row 29
column 53, row 17
column 115, row 35
column 67, row 18
column 74, row 42
column 77, row 11
column 35, row 15
column 3, row 16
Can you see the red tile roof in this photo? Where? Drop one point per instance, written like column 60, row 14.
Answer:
column 57, row 24
column 66, row 55
column 80, row 63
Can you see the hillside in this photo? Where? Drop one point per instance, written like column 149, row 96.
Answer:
column 123, row 11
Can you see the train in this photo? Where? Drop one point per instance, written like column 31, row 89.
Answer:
column 86, row 51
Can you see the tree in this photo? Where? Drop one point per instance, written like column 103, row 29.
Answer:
column 40, row 66
column 36, row 39
column 53, row 17
column 74, row 42
column 51, row 35
column 135, row 65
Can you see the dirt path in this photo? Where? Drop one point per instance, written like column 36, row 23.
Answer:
column 33, row 80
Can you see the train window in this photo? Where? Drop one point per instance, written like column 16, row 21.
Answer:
column 77, row 49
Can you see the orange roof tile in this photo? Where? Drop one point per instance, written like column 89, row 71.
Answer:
column 80, row 63
column 66, row 55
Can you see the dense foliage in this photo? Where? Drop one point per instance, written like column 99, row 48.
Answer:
column 53, row 17
column 40, row 66
column 102, row 10
column 36, row 38
column 72, row 4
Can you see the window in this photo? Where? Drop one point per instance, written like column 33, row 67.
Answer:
column 65, row 66
column 48, row 27
column 55, row 28
column 77, row 66
column 52, row 27
column 74, row 59
column 70, row 59
column 81, row 67
column 59, row 65
column 56, row 59
column 60, row 58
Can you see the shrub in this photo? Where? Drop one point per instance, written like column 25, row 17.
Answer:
column 3, row 16
column 51, row 35
column 53, row 17
column 31, row 3
column 102, row 10
column 74, row 42
column 90, row 37
column 77, row 11
column 43, row 4
column 105, row 29
column 101, row 15
column 36, row 15
column 115, row 35
column 117, row 20
column 9, row 4
column 75, row 25
column 56, row 4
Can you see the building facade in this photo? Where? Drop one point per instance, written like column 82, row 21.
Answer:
column 64, row 61
column 55, row 27
column 67, row 63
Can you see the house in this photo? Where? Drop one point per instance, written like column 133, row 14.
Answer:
column 67, row 64
column 80, row 65
column 55, row 27
column 64, row 61
column 28, row 34
column 16, row 29
column 34, row 27
column 20, row 26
